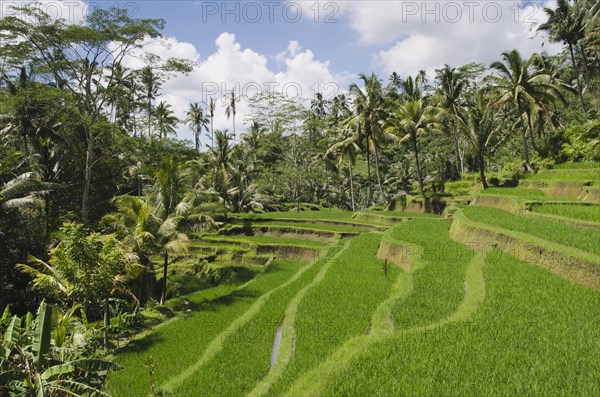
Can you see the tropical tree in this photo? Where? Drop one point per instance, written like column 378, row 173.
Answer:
column 340, row 108
column 166, row 121
column 80, row 58
column 345, row 145
column 220, row 160
column 135, row 224
column 369, row 111
column 196, row 120
column 85, row 268
column 450, row 89
column 150, row 84
column 410, row 120
column 230, row 110
column 481, row 125
column 212, row 104
column 566, row 24
column 527, row 88
column 24, row 189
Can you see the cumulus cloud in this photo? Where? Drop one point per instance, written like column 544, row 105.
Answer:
column 234, row 68
column 419, row 35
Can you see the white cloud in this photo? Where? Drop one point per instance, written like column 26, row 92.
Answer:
column 425, row 35
column 232, row 67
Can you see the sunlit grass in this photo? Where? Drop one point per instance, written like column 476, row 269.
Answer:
column 576, row 237
column 584, row 212
column 535, row 334
column 338, row 308
column 177, row 345
column 442, row 274
column 245, row 358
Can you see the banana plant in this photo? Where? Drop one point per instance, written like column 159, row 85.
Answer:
column 32, row 364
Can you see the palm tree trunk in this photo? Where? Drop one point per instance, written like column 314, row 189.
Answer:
column 369, row 174
column 417, row 162
column 351, row 185
column 579, row 86
column 482, row 168
column 163, row 296
column 197, row 139
column 377, row 173
column 233, row 118
column 212, row 134
column 459, row 168
column 524, row 137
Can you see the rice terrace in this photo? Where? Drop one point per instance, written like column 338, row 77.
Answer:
column 417, row 232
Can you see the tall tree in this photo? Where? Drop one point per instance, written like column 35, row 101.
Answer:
column 196, row 120
column 345, row 145
column 166, row 121
column 220, row 159
column 566, row 24
column 79, row 58
column 410, row 120
column 370, row 111
column 230, row 110
column 450, row 88
column 150, row 83
column 481, row 126
column 526, row 87
column 212, row 104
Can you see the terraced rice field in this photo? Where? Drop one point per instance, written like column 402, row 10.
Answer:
column 443, row 318
column 582, row 239
column 589, row 213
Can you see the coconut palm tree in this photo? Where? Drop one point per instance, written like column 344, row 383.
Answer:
column 527, row 87
column 196, row 120
column 410, row 120
column 165, row 120
column 566, row 24
column 450, row 89
column 136, row 225
column 340, row 107
column 220, row 160
column 230, row 110
column 481, row 126
column 150, row 83
column 369, row 111
column 345, row 145
column 212, row 104
column 24, row 189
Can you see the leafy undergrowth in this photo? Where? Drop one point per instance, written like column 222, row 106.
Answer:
column 534, row 335
column 338, row 308
column 177, row 344
column 245, row 358
column 442, row 274
column 576, row 237
column 583, row 212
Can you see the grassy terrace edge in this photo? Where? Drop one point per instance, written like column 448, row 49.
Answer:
column 572, row 264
